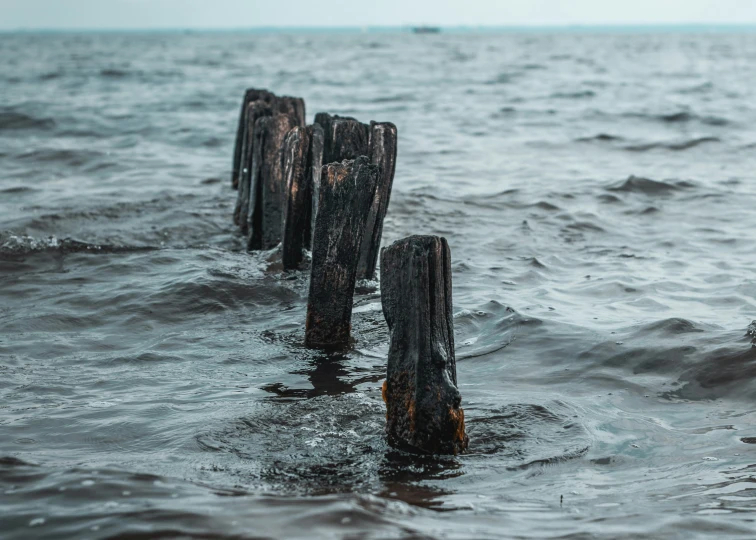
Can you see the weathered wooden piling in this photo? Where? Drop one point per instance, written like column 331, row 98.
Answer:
column 255, row 111
column 250, row 95
column 382, row 147
column 346, row 193
column 421, row 395
column 347, row 138
column 303, row 156
column 298, row 193
column 292, row 106
column 314, row 170
column 267, row 189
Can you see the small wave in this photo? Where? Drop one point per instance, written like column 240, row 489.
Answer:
column 544, row 205
column 583, row 94
column 584, row 226
column 490, row 328
column 532, row 67
column 728, row 371
column 74, row 158
column 10, row 461
column 203, row 296
column 680, row 117
column 17, row 189
column 675, row 117
column 683, row 117
column 647, row 186
column 608, row 198
column 702, row 88
column 12, row 120
column 397, row 98
column 50, row 76
column 671, row 327
column 509, row 432
column 14, row 246
column 675, row 146
column 113, row 73
column 601, row 137
column 503, row 78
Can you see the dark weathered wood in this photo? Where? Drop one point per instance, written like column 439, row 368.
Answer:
column 346, row 192
column 422, row 399
column 314, row 168
column 250, row 216
column 293, row 106
column 343, row 137
column 250, row 95
column 255, row 111
column 266, row 200
column 324, row 121
column 297, row 208
column 382, row 147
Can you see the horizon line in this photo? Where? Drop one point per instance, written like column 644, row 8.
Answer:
column 398, row 27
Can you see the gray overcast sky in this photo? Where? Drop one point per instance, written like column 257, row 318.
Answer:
column 255, row 13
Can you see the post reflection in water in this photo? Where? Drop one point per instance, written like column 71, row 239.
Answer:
column 329, row 377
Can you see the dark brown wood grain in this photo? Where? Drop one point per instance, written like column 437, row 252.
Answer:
column 346, row 192
column 267, row 188
column 314, row 169
column 382, row 148
column 250, row 95
column 292, row 106
column 255, row 111
column 296, row 151
column 343, row 137
column 422, row 399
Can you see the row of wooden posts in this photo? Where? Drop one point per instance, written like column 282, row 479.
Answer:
column 325, row 187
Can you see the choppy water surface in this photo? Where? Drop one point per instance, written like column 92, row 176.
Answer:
column 597, row 192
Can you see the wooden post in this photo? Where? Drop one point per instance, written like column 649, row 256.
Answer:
column 293, row 106
column 303, row 160
column 255, row 111
column 324, row 121
column 286, row 105
column 421, row 395
column 266, row 200
column 346, row 192
column 250, row 95
column 297, row 207
column 382, row 147
column 314, row 169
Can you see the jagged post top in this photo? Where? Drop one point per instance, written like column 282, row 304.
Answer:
column 293, row 106
column 250, row 95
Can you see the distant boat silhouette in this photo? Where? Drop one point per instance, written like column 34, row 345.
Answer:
column 426, row 29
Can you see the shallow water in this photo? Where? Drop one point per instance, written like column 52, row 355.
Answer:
column 596, row 190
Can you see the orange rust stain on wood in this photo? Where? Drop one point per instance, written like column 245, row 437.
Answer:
column 457, row 416
column 411, row 413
